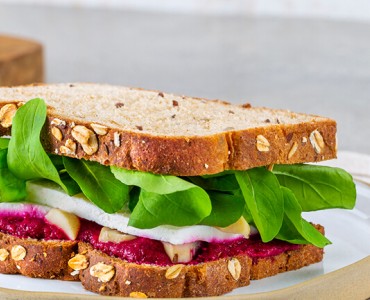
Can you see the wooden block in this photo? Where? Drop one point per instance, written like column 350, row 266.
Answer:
column 21, row 61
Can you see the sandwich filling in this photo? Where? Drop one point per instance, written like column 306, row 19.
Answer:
column 31, row 221
column 160, row 212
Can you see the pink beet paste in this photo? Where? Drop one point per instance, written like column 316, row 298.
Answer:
column 29, row 224
column 140, row 250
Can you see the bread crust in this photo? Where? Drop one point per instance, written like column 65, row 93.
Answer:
column 201, row 155
column 206, row 279
column 43, row 259
column 289, row 260
column 269, row 142
column 49, row 259
column 196, row 156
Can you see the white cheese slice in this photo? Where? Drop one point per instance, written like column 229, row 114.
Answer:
column 49, row 194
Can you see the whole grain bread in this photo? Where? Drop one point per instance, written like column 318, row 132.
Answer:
column 106, row 275
column 38, row 259
column 206, row 279
column 287, row 261
column 169, row 134
column 128, row 279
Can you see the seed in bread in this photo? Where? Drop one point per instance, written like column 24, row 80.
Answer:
column 35, row 264
column 4, row 254
column 7, row 113
column 142, row 133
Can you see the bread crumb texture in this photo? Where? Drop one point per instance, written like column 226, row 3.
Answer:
column 169, row 134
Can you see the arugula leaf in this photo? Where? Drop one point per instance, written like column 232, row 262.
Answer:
column 12, row 189
column 133, row 197
column 247, row 215
column 225, row 182
column 295, row 229
column 264, row 200
column 318, row 187
column 227, row 201
column 164, row 199
column 178, row 209
column 226, row 209
column 4, row 142
column 160, row 184
column 27, row 158
column 98, row 184
column 57, row 161
column 70, row 184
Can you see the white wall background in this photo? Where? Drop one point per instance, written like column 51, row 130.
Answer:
column 356, row 10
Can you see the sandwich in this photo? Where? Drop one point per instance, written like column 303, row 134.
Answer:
column 148, row 194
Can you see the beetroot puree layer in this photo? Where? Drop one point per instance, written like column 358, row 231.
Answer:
column 140, row 250
column 30, row 225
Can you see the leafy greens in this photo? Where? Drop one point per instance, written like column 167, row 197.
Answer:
column 97, row 183
column 264, row 200
column 12, row 189
column 323, row 187
column 165, row 198
column 26, row 157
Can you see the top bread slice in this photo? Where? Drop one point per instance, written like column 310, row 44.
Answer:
column 169, row 134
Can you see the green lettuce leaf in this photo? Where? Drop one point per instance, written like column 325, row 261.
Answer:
column 12, row 189
column 4, row 143
column 165, row 199
column 159, row 184
column 133, row 197
column 27, row 158
column 227, row 200
column 178, row 209
column 226, row 209
column 223, row 182
column 318, row 187
column 98, row 184
column 295, row 229
column 264, row 200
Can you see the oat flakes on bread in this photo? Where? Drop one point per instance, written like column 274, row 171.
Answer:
column 38, row 259
column 211, row 278
column 165, row 195
column 168, row 134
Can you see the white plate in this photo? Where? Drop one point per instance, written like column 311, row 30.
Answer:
column 347, row 229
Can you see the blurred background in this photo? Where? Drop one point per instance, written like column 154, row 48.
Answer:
column 308, row 56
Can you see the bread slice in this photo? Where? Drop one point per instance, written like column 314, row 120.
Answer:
column 287, row 261
column 38, row 259
column 168, row 134
column 205, row 279
column 106, row 275
column 128, row 279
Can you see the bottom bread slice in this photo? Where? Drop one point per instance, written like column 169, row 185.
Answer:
column 39, row 259
column 106, row 275
column 287, row 261
column 206, row 279
column 130, row 279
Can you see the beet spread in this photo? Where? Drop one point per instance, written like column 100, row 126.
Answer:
column 139, row 250
column 30, row 225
